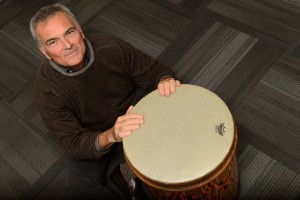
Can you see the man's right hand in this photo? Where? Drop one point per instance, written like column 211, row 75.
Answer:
column 123, row 127
column 125, row 124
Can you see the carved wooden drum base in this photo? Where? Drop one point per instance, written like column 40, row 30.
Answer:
column 224, row 187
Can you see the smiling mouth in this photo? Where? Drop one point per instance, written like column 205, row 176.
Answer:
column 69, row 54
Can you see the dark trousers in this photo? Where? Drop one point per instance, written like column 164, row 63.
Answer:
column 89, row 179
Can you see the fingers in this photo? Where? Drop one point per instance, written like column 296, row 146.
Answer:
column 129, row 109
column 168, row 87
column 125, row 124
column 125, row 131
column 164, row 88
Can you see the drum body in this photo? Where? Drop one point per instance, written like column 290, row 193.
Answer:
column 186, row 147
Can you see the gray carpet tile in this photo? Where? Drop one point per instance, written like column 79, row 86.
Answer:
column 141, row 23
column 24, row 149
column 247, row 73
column 172, row 21
column 190, row 4
column 290, row 61
column 21, row 165
column 262, row 177
column 214, row 56
column 21, row 35
column 176, row 2
column 296, row 50
column 20, row 58
column 11, row 80
column 12, row 184
column 278, row 105
column 283, row 82
column 8, row 9
column 15, row 63
column 270, row 128
column 4, row 92
column 24, row 101
column 33, row 5
column 25, row 140
column 185, row 40
column 31, row 59
column 18, row 66
column 50, row 185
column 54, row 190
column 274, row 18
column 30, row 7
column 221, row 59
column 24, row 104
column 189, row 7
column 85, row 10
column 271, row 111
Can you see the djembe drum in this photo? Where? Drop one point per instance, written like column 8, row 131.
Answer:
column 186, row 147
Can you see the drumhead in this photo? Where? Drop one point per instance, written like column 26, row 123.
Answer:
column 184, row 136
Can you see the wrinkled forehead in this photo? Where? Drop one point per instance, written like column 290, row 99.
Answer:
column 54, row 26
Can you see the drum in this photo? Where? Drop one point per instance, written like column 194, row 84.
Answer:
column 186, row 147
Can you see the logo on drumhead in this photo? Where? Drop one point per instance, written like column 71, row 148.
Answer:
column 220, row 129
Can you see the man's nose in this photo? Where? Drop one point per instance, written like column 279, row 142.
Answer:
column 66, row 43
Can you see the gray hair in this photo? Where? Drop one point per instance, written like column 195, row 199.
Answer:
column 43, row 13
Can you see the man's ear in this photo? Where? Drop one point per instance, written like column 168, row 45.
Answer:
column 42, row 49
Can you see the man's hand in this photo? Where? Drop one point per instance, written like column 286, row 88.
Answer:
column 168, row 86
column 124, row 125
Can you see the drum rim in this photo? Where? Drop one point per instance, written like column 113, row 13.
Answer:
column 213, row 174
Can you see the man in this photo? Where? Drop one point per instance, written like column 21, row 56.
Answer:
column 84, row 94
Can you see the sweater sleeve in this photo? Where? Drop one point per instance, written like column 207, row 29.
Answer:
column 63, row 125
column 145, row 71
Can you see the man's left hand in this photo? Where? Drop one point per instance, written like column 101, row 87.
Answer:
column 168, row 86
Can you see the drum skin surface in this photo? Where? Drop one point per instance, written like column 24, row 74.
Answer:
column 186, row 147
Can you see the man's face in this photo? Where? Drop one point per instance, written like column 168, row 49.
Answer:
column 61, row 40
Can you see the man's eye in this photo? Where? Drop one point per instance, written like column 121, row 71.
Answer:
column 51, row 43
column 70, row 32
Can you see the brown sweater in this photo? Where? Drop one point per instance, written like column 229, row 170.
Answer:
column 76, row 106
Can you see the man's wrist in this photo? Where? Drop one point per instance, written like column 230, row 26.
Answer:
column 97, row 143
column 104, row 140
column 109, row 137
